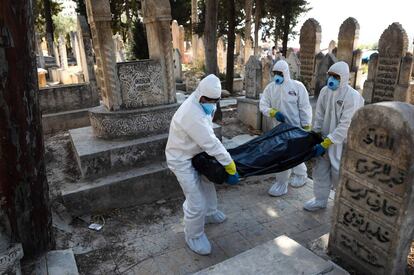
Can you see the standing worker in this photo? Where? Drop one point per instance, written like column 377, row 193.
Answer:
column 191, row 132
column 287, row 100
column 336, row 105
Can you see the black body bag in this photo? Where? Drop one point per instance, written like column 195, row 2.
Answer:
column 280, row 149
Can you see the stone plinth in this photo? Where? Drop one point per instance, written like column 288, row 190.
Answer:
column 373, row 222
column 249, row 113
column 131, row 123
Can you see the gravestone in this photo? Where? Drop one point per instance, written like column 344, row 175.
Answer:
column 121, row 156
column 347, row 40
column 248, row 47
column 175, row 31
column 310, row 40
column 62, row 52
column 178, row 72
column 181, row 41
column 248, row 108
column 76, row 48
column 221, row 55
column 294, row 65
column 388, row 72
column 238, row 44
column 373, row 221
column 56, row 53
column 119, row 48
column 332, row 46
column 201, row 54
column 267, row 66
column 321, row 71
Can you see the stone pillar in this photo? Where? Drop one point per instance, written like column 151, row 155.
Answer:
column 86, row 54
column 248, row 108
column 157, row 18
column 221, row 55
column 99, row 17
column 181, row 41
column 347, row 40
column 63, row 53
column 310, row 41
column 76, row 48
column 392, row 47
column 373, row 216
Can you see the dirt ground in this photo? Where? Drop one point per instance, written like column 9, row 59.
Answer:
column 73, row 232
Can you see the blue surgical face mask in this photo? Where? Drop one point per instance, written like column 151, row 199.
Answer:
column 333, row 83
column 208, row 108
column 278, row 79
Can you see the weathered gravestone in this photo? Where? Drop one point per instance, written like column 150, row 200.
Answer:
column 321, row 71
column 119, row 48
column 62, row 52
column 267, row 66
column 347, row 50
column 178, row 72
column 181, row 41
column 221, row 55
column 310, row 41
column 175, row 31
column 248, row 108
column 389, row 71
column 332, row 46
column 373, row 222
column 294, row 65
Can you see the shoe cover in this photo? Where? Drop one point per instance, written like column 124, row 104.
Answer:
column 297, row 181
column 217, row 217
column 313, row 205
column 278, row 189
column 200, row 245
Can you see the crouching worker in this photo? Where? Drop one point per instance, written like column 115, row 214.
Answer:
column 336, row 105
column 191, row 132
column 287, row 100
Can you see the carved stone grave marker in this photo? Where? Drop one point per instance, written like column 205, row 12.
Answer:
column 373, row 222
column 253, row 78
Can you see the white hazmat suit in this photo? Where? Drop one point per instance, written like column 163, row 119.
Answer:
column 191, row 132
column 334, row 111
column 292, row 100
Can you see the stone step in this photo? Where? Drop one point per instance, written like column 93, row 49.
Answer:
column 279, row 256
column 66, row 120
column 98, row 157
column 57, row 262
column 122, row 189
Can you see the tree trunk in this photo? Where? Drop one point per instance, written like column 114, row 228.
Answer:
column 257, row 18
column 286, row 30
column 277, row 32
column 231, row 37
column 194, row 22
column 23, row 185
column 49, row 27
column 248, row 28
column 210, row 36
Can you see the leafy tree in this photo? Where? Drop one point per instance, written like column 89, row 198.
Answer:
column 139, row 47
column 283, row 17
column 181, row 11
column 39, row 14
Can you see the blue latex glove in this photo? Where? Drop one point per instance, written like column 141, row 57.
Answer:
column 280, row 117
column 319, row 150
column 233, row 179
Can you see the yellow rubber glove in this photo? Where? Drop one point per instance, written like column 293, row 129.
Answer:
column 231, row 168
column 326, row 143
column 307, row 128
column 273, row 112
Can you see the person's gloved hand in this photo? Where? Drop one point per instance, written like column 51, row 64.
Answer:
column 277, row 114
column 233, row 177
column 321, row 148
column 307, row 128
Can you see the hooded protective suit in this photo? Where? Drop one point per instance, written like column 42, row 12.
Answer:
column 191, row 132
column 334, row 111
column 292, row 100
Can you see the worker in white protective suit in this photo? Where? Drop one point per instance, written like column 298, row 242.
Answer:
column 191, row 132
column 287, row 100
column 335, row 107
